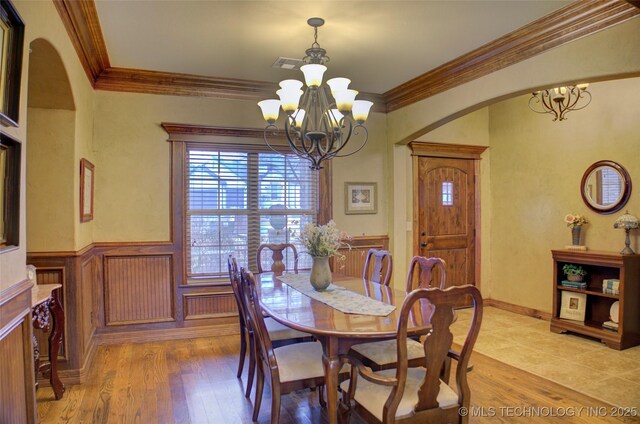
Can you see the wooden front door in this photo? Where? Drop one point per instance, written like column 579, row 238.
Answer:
column 445, row 212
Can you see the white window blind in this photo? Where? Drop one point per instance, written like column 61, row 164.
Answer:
column 611, row 188
column 237, row 200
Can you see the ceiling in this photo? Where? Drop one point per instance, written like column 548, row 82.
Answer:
column 377, row 44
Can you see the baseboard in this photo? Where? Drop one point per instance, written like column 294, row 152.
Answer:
column 75, row 376
column 522, row 310
column 165, row 334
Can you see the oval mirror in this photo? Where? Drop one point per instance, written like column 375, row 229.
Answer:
column 606, row 187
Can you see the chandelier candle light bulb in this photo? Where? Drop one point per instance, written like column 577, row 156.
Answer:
column 270, row 110
column 337, row 84
column 321, row 117
column 313, row 74
column 289, row 99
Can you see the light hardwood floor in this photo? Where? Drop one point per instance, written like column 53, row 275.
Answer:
column 193, row 381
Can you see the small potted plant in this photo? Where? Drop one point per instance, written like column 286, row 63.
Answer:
column 574, row 272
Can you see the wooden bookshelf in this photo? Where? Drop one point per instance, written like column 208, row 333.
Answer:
column 600, row 266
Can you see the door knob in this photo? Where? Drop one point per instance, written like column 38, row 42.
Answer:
column 423, row 244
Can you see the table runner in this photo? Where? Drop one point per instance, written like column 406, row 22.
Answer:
column 338, row 297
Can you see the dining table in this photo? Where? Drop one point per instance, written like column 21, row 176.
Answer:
column 336, row 331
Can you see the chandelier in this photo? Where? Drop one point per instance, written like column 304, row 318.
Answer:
column 560, row 100
column 320, row 120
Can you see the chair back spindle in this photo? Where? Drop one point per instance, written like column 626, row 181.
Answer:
column 381, row 262
column 426, row 277
column 277, row 257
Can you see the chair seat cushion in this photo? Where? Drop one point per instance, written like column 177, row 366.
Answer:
column 373, row 396
column 299, row 361
column 279, row 331
column 386, row 352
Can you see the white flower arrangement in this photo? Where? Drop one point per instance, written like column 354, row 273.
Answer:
column 323, row 240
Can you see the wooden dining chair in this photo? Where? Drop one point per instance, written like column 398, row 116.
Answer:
column 417, row 395
column 292, row 367
column 426, row 275
column 379, row 258
column 277, row 256
column 280, row 335
column 382, row 355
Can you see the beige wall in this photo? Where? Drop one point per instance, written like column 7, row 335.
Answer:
column 51, row 169
column 130, row 146
column 536, row 169
column 42, row 21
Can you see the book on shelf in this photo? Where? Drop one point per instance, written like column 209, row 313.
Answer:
column 574, row 284
column 573, row 306
column 610, row 325
column 576, row 247
column 611, row 286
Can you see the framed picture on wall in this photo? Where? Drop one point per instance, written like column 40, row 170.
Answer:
column 11, row 42
column 360, row 198
column 9, row 192
column 86, row 190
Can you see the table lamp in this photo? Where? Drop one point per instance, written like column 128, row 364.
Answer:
column 627, row 222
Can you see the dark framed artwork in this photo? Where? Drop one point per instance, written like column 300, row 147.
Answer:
column 11, row 43
column 86, row 190
column 10, row 151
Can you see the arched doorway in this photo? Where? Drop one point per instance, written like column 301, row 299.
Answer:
column 50, row 164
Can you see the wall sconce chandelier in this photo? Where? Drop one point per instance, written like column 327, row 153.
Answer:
column 559, row 101
column 317, row 125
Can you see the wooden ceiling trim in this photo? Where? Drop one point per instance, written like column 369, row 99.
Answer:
column 169, row 83
column 562, row 26
column 80, row 19
column 174, row 84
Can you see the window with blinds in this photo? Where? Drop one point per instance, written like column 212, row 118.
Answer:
column 237, row 200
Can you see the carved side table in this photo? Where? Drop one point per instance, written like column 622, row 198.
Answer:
column 47, row 313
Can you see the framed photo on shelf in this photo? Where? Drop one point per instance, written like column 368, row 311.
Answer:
column 86, row 190
column 360, row 198
column 11, row 43
column 573, row 306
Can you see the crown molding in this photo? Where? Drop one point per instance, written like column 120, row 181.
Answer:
column 174, row 84
column 80, row 18
column 569, row 23
column 573, row 21
column 169, row 83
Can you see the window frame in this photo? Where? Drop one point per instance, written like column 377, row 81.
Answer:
column 182, row 136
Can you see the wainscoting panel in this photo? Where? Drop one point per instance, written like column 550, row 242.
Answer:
column 209, row 305
column 355, row 257
column 17, row 391
column 54, row 275
column 138, row 289
column 89, row 304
